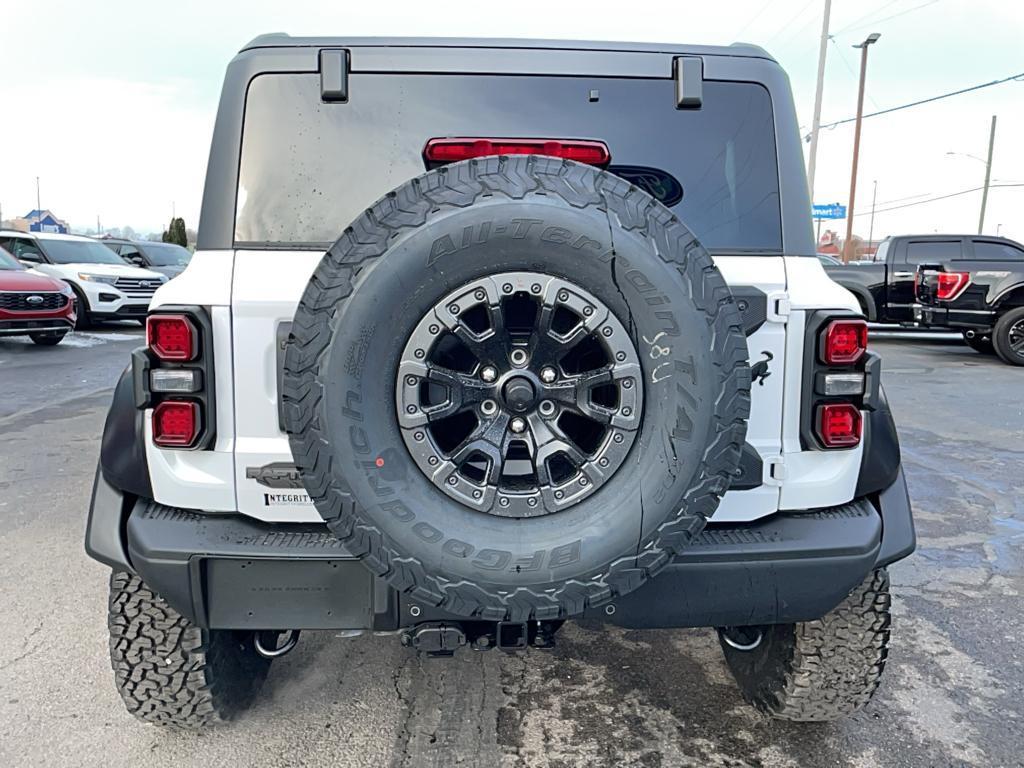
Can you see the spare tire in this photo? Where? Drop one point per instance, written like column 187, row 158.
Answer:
column 515, row 387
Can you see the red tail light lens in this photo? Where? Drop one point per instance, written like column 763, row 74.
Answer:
column 838, row 425
column 440, row 151
column 949, row 285
column 175, row 424
column 172, row 337
column 844, row 342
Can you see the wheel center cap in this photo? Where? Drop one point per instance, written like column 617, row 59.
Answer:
column 520, row 396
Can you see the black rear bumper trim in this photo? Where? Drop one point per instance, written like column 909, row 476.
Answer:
column 230, row 571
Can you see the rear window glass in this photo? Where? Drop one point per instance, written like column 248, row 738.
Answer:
column 928, row 251
column 987, row 250
column 309, row 168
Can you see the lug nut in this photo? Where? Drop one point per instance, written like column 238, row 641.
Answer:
column 517, row 425
column 489, row 373
column 548, row 375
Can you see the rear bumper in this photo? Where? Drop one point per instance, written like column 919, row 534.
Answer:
column 234, row 572
column 944, row 317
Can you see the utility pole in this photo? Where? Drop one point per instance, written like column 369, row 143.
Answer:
column 39, row 210
column 988, row 175
column 816, row 121
column 98, row 230
column 847, row 244
column 871, row 229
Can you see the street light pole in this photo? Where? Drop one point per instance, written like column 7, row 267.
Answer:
column 988, row 175
column 871, row 229
column 816, row 121
column 872, row 38
column 39, row 210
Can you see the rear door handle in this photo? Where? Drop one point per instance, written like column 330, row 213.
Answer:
column 902, row 275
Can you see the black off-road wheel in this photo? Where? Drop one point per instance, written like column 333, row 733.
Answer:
column 815, row 671
column 171, row 672
column 515, row 387
column 1008, row 336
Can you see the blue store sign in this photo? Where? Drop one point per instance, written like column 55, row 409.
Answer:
column 833, row 211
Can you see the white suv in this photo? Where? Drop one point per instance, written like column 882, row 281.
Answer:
column 105, row 286
column 424, row 378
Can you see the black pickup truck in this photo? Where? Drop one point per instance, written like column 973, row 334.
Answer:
column 970, row 283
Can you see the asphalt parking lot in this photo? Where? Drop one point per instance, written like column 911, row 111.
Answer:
column 952, row 694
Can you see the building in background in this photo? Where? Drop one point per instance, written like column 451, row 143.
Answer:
column 40, row 221
column 831, row 243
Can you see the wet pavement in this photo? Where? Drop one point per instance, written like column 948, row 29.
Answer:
column 951, row 694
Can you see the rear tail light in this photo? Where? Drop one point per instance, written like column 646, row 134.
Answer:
column 176, row 424
column 836, row 372
column 844, row 342
column 440, row 151
column 949, row 285
column 172, row 337
column 838, row 425
column 175, row 377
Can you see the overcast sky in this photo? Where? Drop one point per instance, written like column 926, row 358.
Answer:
column 112, row 104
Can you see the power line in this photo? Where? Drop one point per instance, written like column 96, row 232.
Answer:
column 853, row 75
column 893, row 16
column 934, row 199
column 859, row 19
column 786, row 27
column 752, row 19
column 1018, row 76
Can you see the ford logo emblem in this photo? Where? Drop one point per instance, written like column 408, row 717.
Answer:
column 34, row 299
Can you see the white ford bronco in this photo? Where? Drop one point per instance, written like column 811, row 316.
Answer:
column 481, row 337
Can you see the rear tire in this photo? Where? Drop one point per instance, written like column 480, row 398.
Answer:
column 982, row 344
column 48, row 339
column 816, row 671
column 1008, row 337
column 171, row 672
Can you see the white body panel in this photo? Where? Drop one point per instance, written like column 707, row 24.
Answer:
column 202, row 479
column 764, row 430
column 812, row 478
column 267, row 289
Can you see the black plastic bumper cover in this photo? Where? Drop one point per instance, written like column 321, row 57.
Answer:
column 235, row 572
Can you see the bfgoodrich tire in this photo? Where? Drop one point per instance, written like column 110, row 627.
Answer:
column 171, row 672
column 819, row 670
column 544, row 222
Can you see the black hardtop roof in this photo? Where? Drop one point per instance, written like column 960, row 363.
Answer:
column 284, row 40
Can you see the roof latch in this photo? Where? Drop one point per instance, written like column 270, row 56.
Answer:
column 688, row 72
column 334, row 74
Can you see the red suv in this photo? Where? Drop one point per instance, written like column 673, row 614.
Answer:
column 32, row 304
